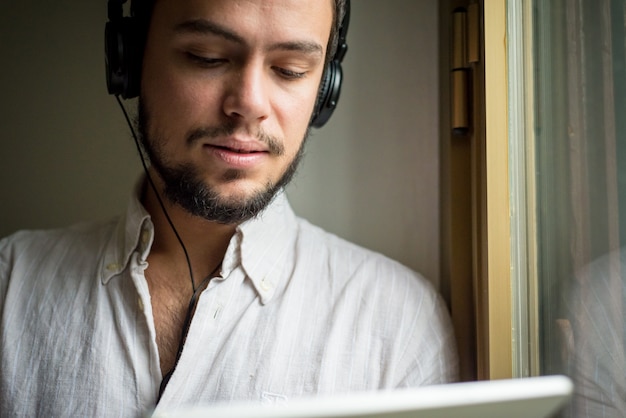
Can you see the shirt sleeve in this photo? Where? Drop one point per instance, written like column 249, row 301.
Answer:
column 430, row 355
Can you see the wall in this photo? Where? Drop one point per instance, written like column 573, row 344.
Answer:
column 371, row 175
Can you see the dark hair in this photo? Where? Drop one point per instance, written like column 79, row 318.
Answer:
column 142, row 11
column 340, row 12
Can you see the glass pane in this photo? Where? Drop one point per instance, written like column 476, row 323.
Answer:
column 580, row 130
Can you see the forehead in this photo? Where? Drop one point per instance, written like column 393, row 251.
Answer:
column 254, row 20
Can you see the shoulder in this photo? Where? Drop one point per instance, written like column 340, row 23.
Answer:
column 371, row 294
column 32, row 250
column 349, row 260
column 41, row 242
column 366, row 281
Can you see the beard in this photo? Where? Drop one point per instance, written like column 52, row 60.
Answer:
column 184, row 186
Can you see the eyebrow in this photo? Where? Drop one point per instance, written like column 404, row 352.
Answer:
column 207, row 27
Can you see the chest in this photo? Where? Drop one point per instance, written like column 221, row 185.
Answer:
column 171, row 307
column 239, row 349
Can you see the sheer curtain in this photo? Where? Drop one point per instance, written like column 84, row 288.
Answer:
column 580, row 131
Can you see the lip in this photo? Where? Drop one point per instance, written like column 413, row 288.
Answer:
column 236, row 144
column 234, row 153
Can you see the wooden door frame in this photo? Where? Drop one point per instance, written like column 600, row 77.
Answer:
column 476, row 225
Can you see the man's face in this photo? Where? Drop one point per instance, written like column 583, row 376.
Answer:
column 228, row 88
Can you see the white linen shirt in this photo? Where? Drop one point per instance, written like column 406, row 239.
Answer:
column 294, row 311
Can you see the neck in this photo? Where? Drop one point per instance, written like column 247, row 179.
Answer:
column 205, row 241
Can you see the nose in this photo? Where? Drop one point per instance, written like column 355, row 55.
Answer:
column 247, row 94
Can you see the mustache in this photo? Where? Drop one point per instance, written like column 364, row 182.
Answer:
column 275, row 146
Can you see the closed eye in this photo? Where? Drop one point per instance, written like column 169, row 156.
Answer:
column 289, row 74
column 205, row 62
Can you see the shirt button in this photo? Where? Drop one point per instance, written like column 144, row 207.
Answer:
column 218, row 311
column 265, row 285
column 145, row 236
column 140, row 304
column 113, row 266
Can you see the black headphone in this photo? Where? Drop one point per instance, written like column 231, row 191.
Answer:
column 124, row 42
column 123, row 51
column 330, row 87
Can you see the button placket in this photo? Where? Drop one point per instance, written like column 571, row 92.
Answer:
column 208, row 312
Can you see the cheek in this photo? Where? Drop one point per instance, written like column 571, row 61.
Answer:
column 176, row 103
column 175, row 93
column 293, row 112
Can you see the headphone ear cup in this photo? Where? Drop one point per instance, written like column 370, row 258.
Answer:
column 114, row 57
column 328, row 96
column 330, row 85
column 122, row 58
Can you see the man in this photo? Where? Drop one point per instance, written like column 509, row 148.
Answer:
column 209, row 288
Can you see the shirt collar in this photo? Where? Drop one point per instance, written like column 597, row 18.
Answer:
column 263, row 245
column 134, row 231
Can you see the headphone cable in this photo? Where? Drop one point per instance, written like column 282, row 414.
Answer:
column 196, row 290
column 153, row 186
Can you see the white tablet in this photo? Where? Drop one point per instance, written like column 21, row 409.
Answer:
column 535, row 397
